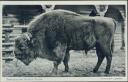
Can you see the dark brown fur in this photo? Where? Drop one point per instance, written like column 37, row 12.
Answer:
column 57, row 32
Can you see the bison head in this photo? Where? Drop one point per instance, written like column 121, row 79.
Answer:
column 23, row 50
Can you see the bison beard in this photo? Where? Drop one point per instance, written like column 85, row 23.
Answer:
column 53, row 34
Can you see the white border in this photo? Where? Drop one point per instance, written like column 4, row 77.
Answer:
column 62, row 78
column 62, row 2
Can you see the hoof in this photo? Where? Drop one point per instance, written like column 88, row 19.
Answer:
column 106, row 72
column 94, row 71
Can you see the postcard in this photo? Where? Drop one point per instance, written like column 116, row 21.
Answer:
column 63, row 41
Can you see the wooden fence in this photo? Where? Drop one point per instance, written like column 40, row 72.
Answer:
column 9, row 34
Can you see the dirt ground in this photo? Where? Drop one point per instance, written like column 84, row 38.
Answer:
column 81, row 65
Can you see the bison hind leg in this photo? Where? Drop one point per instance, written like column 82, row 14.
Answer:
column 104, row 51
column 108, row 55
column 100, row 58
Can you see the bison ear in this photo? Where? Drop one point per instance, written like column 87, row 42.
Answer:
column 28, row 36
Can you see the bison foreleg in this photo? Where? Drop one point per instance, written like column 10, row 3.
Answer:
column 59, row 51
column 55, row 69
column 65, row 61
column 100, row 59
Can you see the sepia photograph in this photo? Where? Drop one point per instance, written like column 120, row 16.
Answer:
column 64, row 40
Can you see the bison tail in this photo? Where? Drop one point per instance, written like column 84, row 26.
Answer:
column 112, row 46
column 114, row 25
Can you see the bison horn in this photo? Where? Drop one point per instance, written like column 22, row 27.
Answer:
column 28, row 36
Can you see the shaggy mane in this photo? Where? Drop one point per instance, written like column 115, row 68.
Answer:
column 34, row 23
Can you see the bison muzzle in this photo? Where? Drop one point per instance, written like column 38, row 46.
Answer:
column 53, row 34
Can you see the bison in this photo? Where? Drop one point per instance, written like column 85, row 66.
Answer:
column 53, row 34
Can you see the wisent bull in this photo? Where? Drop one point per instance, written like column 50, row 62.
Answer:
column 53, row 34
